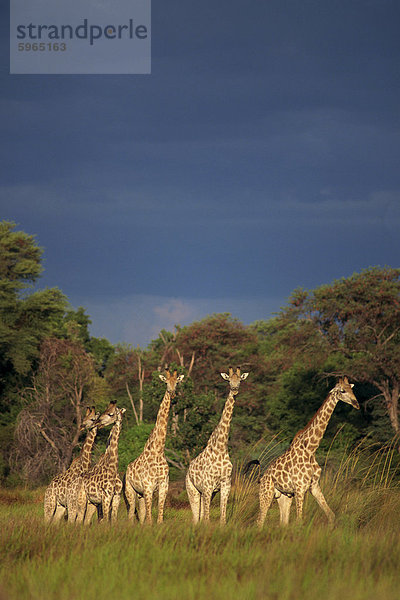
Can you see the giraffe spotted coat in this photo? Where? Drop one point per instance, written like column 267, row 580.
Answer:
column 60, row 496
column 211, row 470
column 149, row 472
column 100, row 488
column 296, row 471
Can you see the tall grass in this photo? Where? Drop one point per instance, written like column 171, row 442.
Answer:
column 358, row 558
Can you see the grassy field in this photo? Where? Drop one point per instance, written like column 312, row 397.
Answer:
column 357, row 559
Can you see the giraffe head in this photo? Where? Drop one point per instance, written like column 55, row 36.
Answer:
column 171, row 380
column 234, row 378
column 111, row 415
column 90, row 418
column 343, row 390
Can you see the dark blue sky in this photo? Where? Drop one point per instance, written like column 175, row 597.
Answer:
column 260, row 155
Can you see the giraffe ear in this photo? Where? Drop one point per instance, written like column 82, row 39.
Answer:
column 122, row 410
column 179, row 378
column 352, row 385
column 225, row 376
column 163, row 378
column 244, row 376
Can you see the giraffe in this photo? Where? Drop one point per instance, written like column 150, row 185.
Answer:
column 57, row 493
column 149, row 472
column 101, row 487
column 296, row 471
column 211, row 470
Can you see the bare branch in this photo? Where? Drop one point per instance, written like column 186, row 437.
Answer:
column 132, row 403
column 191, row 364
column 46, row 437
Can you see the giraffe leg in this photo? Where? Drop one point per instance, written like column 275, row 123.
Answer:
column 72, row 501
column 50, row 504
column 284, row 504
column 106, row 507
column 266, row 495
column 225, row 489
column 162, row 495
column 90, row 510
column 205, row 501
column 116, row 499
column 148, row 501
column 130, row 499
column 141, row 509
column 299, row 497
column 80, row 513
column 114, row 507
column 318, row 495
column 81, row 503
column 201, row 507
column 194, row 499
column 72, row 509
column 59, row 513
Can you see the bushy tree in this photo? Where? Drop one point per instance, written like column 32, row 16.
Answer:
column 218, row 342
column 75, row 326
column 48, row 427
column 25, row 318
column 348, row 327
column 359, row 318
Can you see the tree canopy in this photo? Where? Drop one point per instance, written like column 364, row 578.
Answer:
column 358, row 319
column 25, row 318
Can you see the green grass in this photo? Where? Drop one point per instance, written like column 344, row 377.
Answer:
column 357, row 559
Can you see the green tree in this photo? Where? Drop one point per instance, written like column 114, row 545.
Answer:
column 358, row 319
column 25, row 319
column 76, row 327
column 218, row 342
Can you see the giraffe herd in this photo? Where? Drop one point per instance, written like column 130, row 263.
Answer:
column 84, row 489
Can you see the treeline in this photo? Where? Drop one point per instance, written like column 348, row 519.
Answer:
column 51, row 367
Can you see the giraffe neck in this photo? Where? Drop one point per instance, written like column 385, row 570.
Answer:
column 219, row 437
column 111, row 453
column 156, row 442
column 86, row 453
column 313, row 433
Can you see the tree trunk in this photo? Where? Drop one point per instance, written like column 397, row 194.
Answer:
column 392, row 403
column 391, row 399
column 77, row 400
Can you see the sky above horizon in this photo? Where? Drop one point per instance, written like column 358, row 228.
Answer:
column 261, row 155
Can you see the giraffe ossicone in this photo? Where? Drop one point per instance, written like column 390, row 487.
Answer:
column 296, row 471
column 211, row 470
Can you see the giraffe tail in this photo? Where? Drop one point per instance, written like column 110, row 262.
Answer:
column 129, row 497
column 251, row 468
column 124, row 493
